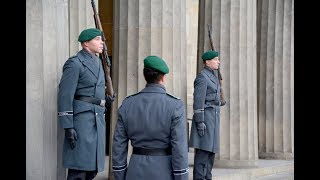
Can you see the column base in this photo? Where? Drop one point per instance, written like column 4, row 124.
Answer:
column 276, row 155
column 236, row 163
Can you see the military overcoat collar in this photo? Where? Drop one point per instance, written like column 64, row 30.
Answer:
column 154, row 88
column 210, row 73
column 88, row 60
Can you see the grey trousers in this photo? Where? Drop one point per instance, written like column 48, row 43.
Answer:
column 74, row 174
column 203, row 163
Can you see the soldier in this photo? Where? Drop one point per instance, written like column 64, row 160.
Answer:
column 205, row 126
column 81, row 108
column 155, row 123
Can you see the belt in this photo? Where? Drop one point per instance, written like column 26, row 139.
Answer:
column 152, row 152
column 216, row 103
column 92, row 100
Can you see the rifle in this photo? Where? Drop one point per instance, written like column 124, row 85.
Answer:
column 222, row 100
column 104, row 55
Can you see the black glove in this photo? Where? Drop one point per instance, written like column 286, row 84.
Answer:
column 71, row 136
column 201, row 127
column 222, row 103
column 110, row 99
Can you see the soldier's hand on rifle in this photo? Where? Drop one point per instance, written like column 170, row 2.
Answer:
column 110, row 99
column 201, row 128
column 71, row 136
column 223, row 102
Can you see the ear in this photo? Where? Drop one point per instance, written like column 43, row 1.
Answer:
column 204, row 62
column 85, row 44
column 163, row 78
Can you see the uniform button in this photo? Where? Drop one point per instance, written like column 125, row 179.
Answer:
column 96, row 114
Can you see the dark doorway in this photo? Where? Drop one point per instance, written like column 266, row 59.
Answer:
column 108, row 121
column 105, row 11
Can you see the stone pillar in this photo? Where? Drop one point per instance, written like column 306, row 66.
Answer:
column 47, row 48
column 276, row 81
column 192, row 35
column 234, row 35
column 81, row 17
column 142, row 28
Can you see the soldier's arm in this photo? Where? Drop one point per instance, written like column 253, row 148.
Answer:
column 179, row 144
column 199, row 96
column 120, row 149
column 67, row 89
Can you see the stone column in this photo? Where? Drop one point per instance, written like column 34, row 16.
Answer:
column 276, row 81
column 143, row 28
column 47, row 48
column 234, row 36
column 81, row 17
column 192, row 35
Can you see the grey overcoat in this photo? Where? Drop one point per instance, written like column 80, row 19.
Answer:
column 82, row 75
column 206, row 109
column 151, row 119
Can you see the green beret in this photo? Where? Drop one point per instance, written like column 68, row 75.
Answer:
column 156, row 63
column 209, row 55
column 89, row 34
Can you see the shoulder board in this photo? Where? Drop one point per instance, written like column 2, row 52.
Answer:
column 132, row 95
column 172, row 96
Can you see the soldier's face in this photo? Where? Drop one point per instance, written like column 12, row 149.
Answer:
column 95, row 45
column 214, row 63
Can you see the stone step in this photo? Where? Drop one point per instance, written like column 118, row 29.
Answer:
column 266, row 170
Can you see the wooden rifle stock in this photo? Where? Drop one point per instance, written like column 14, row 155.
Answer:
column 219, row 73
column 104, row 55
